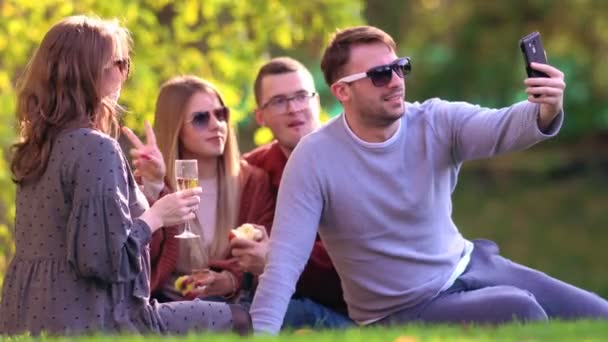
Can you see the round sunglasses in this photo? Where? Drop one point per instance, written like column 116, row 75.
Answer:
column 201, row 119
column 383, row 74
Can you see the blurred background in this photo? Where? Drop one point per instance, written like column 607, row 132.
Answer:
column 546, row 207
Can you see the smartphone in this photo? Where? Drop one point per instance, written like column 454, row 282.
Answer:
column 532, row 48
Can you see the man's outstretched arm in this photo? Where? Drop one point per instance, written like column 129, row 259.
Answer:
column 297, row 217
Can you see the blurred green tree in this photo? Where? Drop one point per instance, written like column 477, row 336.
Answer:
column 469, row 51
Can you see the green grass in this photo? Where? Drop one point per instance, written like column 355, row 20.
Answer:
column 554, row 331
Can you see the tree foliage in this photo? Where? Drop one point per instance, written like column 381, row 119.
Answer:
column 469, row 50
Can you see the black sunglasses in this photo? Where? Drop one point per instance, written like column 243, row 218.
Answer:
column 201, row 119
column 383, row 74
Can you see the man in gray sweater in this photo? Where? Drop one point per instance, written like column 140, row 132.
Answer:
column 377, row 181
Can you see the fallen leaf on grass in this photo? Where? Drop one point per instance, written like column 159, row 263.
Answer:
column 406, row 339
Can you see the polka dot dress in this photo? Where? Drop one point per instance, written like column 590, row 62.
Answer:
column 81, row 263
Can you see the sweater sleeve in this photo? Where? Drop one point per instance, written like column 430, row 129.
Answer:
column 320, row 281
column 299, row 207
column 474, row 132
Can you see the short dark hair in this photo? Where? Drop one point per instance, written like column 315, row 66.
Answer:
column 337, row 53
column 276, row 66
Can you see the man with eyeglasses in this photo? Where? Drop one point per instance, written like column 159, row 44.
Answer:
column 376, row 182
column 289, row 106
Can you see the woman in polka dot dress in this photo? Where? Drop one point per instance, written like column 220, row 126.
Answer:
column 82, row 227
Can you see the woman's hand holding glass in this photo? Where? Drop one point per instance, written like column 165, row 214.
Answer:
column 173, row 209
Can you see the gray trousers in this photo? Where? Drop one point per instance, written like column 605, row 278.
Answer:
column 494, row 289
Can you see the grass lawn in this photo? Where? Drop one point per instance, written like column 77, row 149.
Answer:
column 554, row 331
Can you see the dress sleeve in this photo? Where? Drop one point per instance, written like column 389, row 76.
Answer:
column 300, row 204
column 104, row 241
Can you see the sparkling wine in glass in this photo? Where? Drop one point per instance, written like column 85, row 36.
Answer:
column 186, row 177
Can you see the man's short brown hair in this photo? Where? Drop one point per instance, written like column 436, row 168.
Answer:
column 337, row 53
column 276, row 66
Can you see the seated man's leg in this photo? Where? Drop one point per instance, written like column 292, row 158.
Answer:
column 303, row 312
column 497, row 304
column 558, row 299
column 491, row 305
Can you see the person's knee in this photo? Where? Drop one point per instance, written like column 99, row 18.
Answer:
column 241, row 320
column 524, row 306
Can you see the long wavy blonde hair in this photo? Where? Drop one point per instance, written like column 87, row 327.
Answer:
column 169, row 118
column 61, row 88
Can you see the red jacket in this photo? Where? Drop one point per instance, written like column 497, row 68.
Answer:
column 319, row 280
column 256, row 206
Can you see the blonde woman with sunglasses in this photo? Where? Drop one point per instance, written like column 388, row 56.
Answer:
column 193, row 122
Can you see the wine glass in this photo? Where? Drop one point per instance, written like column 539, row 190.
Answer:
column 186, row 177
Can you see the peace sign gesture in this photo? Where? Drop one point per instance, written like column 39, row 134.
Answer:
column 147, row 158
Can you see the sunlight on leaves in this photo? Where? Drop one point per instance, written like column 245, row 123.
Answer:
column 405, row 339
column 262, row 136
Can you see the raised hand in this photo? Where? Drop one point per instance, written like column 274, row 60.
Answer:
column 173, row 209
column 147, row 158
column 549, row 93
